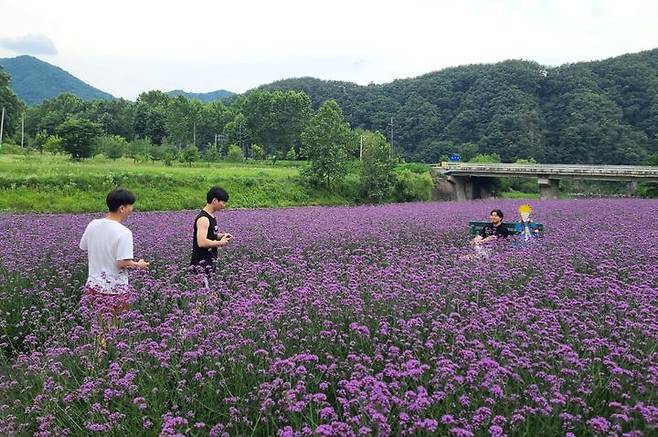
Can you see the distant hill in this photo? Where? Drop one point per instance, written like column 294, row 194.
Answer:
column 203, row 97
column 587, row 112
column 34, row 81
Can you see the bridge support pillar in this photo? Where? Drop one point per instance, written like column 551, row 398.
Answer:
column 463, row 187
column 482, row 187
column 631, row 188
column 549, row 189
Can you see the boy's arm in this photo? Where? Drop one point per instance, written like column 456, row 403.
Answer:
column 125, row 254
column 202, row 225
column 132, row 264
column 83, row 240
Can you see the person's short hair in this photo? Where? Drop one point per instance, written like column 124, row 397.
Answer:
column 498, row 212
column 217, row 193
column 119, row 197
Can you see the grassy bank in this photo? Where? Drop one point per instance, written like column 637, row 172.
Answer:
column 46, row 183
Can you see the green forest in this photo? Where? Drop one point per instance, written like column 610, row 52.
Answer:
column 603, row 112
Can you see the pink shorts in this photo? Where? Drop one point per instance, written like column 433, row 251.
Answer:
column 117, row 303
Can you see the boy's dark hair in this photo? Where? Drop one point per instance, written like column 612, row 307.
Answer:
column 498, row 212
column 217, row 193
column 119, row 197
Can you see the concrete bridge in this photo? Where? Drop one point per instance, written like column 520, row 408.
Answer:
column 469, row 180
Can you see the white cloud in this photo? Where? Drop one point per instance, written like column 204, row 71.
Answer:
column 29, row 45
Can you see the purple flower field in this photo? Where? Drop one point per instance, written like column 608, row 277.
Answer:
column 340, row 321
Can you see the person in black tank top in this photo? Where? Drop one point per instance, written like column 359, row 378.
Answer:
column 205, row 239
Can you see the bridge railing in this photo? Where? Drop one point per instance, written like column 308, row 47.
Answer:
column 550, row 169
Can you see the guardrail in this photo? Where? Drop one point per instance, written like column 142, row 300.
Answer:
column 548, row 170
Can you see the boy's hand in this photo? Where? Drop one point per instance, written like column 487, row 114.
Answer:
column 225, row 239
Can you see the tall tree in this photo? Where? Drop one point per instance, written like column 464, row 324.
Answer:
column 78, row 137
column 377, row 168
column 52, row 113
column 12, row 105
column 324, row 143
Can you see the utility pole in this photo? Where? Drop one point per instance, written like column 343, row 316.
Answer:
column 391, row 136
column 194, row 133
column 22, row 129
column 361, row 149
column 242, row 146
column 2, row 124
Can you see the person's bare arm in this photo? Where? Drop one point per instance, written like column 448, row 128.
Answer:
column 202, row 240
column 478, row 240
column 132, row 264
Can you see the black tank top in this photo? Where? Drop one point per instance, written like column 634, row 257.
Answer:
column 202, row 254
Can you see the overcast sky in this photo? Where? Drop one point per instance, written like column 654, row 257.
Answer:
column 126, row 47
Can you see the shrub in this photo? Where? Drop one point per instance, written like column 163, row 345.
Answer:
column 234, row 154
column 291, row 155
column 140, row 149
column 486, row 159
column 53, row 144
column 112, row 146
column 190, row 154
column 212, row 153
column 411, row 186
column 257, row 152
column 164, row 152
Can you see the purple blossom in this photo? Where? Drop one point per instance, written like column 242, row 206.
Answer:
column 341, row 321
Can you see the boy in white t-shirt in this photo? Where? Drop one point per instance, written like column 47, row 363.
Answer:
column 109, row 245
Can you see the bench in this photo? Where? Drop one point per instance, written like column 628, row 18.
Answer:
column 513, row 227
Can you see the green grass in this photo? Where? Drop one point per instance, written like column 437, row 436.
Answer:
column 519, row 195
column 42, row 165
column 522, row 195
column 46, row 183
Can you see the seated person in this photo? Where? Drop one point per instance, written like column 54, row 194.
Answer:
column 489, row 233
column 492, row 231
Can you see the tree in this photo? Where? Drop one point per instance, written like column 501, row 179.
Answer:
column 112, row 146
column 140, row 149
column 468, row 151
column 164, row 152
column 653, row 159
column 435, row 151
column 486, row 159
column 212, row 153
column 237, row 132
column 52, row 113
column 39, row 140
column 53, row 144
column 115, row 116
column 417, row 121
column 590, row 130
column 277, row 119
column 291, row 155
column 377, row 168
column 234, row 153
column 12, row 105
column 78, row 137
column 257, row 152
column 150, row 116
column 182, row 117
column 325, row 144
column 190, row 154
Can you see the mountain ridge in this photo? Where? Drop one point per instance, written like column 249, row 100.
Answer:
column 34, row 81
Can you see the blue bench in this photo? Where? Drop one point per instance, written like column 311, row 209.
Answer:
column 513, row 227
